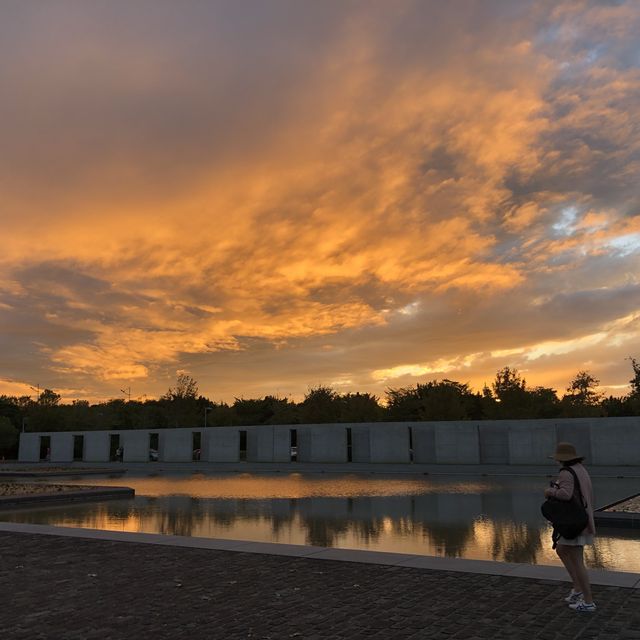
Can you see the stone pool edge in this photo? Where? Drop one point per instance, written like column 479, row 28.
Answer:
column 93, row 493
column 516, row 570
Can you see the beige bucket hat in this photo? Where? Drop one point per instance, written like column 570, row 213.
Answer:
column 565, row 451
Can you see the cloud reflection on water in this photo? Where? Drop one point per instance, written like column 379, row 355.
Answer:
column 484, row 518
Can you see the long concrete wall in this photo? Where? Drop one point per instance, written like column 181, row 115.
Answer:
column 603, row 441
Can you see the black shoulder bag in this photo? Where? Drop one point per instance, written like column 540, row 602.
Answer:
column 568, row 517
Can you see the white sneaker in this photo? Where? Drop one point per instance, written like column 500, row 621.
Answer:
column 574, row 596
column 581, row 605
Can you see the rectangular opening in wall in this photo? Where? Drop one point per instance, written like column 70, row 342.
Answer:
column 196, row 444
column 45, row 448
column 154, row 439
column 78, row 447
column 115, row 451
column 243, row 446
column 349, row 449
column 293, row 445
column 410, row 444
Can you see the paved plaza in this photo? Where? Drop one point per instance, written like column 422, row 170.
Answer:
column 67, row 588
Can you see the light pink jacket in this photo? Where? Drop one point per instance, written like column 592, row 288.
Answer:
column 564, row 491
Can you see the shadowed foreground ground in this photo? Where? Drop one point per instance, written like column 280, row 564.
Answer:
column 65, row 588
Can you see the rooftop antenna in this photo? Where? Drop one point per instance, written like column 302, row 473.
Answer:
column 127, row 392
column 38, row 390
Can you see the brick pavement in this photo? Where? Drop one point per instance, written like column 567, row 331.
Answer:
column 55, row 588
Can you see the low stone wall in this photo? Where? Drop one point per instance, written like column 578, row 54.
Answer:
column 604, row 441
column 69, row 494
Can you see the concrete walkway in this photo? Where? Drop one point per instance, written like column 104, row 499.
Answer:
column 84, row 584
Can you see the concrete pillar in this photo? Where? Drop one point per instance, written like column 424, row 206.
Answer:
column 389, row 442
column 175, row 445
column 457, row 443
column 62, row 447
column 260, row 444
column 424, row 442
column 282, row 442
column 360, row 443
column 616, row 441
column 304, row 442
column 29, row 447
column 494, row 442
column 136, row 445
column 531, row 441
column 222, row 444
column 328, row 443
column 96, row 446
column 205, row 443
column 578, row 432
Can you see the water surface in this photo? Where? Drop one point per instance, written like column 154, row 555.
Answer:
column 482, row 517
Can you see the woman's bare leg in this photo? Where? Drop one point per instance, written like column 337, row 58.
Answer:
column 581, row 575
column 564, row 553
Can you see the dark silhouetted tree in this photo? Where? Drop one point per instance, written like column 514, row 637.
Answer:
column 635, row 381
column 582, row 389
column 543, row 402
column 513, row 399
column 628, row 405
column 12, row 408
column 220, row 415
column 8, row 437
column 183, row 408
column 508, row 384
column 436, row 400
column 581, row 398
column 321, row 405
column 186, row 389
column 49, row 398
column 360, row 407
column 267, row 410
column 509, row 391
column 617, row 407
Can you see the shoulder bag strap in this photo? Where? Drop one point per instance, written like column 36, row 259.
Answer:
column 576, row 485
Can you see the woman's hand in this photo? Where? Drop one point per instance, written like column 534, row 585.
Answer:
column 548, row 492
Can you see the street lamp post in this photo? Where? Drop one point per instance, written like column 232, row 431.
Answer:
column 24, row 422
column 206, row 411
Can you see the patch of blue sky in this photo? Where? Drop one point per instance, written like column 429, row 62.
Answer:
column 625, row 245
column 582, row 60
column 549, row 34
column 593, row 54
column 565, row 225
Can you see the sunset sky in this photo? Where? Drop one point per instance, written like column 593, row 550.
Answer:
column 274, row 194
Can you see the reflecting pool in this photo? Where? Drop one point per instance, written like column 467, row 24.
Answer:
column 482, row 517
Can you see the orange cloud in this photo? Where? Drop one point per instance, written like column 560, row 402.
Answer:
column 340, row 181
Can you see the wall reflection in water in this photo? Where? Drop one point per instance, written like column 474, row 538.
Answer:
column 492, row 520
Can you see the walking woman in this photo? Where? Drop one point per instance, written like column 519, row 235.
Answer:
column 571, row 552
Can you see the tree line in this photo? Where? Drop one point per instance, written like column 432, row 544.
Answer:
column 508, row 397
